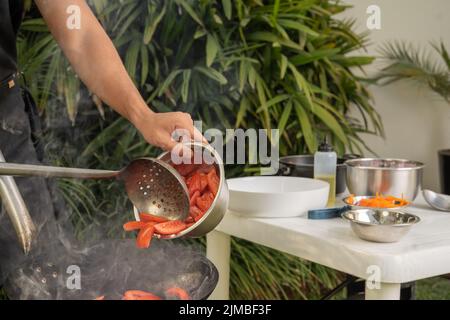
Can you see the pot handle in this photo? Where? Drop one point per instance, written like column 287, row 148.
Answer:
column 350, row 156
column 328, row 213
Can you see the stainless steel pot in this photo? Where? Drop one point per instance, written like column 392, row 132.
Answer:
column 303, row 166
column 218, row 208
column 395, row 177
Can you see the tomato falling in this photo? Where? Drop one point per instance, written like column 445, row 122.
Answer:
column 203, row 184
column 174, row 292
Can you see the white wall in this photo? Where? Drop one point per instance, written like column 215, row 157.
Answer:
column 417, row 122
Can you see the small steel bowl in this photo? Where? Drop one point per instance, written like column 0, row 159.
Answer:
column 380, row 225
column 359, row 198
column 395, row 177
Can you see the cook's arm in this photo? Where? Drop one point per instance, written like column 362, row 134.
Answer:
column 96, row 61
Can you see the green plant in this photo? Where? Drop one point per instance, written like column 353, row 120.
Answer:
column 404, row 61
column 283, row 64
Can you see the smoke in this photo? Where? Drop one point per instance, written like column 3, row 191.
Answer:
column 109, row 268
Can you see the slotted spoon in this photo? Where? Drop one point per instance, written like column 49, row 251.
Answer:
column 152, row 185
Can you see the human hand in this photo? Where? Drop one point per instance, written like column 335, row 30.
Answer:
column 159, row 128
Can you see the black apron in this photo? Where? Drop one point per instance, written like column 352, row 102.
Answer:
column 18, row 122
column 10, row 19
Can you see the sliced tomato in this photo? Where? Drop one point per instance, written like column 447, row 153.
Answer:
column 203, row 182
column 205, row 168
column 197, row 182
column 148, row 297
column 178, row 293
column 193, row 183
column 213, row 181
column 170, row 227
column 205, row 201
column 133, row 225
column 194, row 212
column 139, row 295
column 198, row 217
column 194, row 197
column 145, row 236
column 148, row 217
column 185, row 169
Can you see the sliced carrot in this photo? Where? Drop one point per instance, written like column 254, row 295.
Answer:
column 100, row 298
column 380, row 201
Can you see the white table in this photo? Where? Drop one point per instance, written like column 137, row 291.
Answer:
column 424, row 252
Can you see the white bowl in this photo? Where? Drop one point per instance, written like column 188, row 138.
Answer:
column 276, row 197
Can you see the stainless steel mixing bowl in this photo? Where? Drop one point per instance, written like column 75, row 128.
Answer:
column 218, row 208
column 394, row 177
column 379, row 225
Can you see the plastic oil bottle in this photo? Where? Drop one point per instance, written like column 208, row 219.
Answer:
column 325, row 162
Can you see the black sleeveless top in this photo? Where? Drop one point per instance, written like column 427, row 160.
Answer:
column 10, row 19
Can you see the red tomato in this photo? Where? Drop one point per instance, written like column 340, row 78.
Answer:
column 205, row 168
column 203, row 182
column 185, row 169
column 178, row 293
column 213, row 181
column 170, row 227
column 139, row 295
column 195, row 213
column 205, row 201
column 133, row 225
column 147, row 217
column 194, row 198
column 197, row 182
column 145, row 236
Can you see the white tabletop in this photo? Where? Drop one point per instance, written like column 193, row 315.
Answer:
column 424, row 252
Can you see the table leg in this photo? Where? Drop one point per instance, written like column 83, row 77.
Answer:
column 387, row 291
column 218, row 252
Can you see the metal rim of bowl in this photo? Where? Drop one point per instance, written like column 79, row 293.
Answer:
column 416, row 219
column 286, row 163
column 279, row 192
column 217, row 161
column 353, row 164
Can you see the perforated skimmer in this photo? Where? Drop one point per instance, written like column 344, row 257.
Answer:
column 152, row 185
